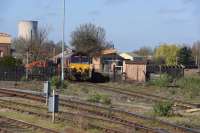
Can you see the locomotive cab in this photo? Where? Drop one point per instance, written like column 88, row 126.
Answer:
column 79, row 67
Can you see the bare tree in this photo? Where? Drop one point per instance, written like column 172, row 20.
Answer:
column 88, row 39
column 196, row 52
column 144, row 51
column 39, row 47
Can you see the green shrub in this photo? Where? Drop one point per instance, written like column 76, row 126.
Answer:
column 23, row 78
column 100, row 98
column 65, row 84
column 55, row 82
column 9, row 61
column 163, row 81
column 95, row 98
column 106, row 99
column 163, row 108
column 190, row 85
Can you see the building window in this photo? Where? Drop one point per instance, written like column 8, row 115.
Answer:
column 1, row 53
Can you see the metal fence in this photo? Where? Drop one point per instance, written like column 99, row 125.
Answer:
column 175, row 71
column 19, row 73
column 11, row 73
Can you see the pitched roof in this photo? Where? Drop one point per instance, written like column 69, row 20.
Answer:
column 5, row 38
column 4, row 34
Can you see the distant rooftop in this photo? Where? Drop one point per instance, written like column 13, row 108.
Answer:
column 5, row 38
column 4, row 34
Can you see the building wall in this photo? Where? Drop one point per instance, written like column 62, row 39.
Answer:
column 136, row 72
column 96, row 63
column 4, row 50
column 5, row 39
column 5, row 42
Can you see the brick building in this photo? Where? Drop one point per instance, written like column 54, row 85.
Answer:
column 5, row 44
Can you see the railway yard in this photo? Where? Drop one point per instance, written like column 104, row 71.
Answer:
column 118, row 110
column 107, row 66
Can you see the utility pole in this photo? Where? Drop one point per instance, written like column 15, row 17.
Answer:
column 63, row 43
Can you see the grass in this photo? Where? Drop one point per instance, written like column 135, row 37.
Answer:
column 100, row 98
column 46, row 123
column 188, row 90
column 163, row 81
column 34, row 120
column 190, row 85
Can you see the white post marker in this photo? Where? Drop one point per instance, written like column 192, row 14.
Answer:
column 53, row 113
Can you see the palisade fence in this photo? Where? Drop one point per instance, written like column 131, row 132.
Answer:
column 175, row 71
column 19, row 73
column 40, row 73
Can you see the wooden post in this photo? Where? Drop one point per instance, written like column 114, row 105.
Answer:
column 114, row 73
column 47, row 100
column 160, row 70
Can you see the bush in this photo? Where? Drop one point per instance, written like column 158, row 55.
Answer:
column 65, row 84
column 23, row 78
column 55, row 82
column 95, row 98
column 99, row 98
column 190, row 85
column 163, row 108
column 9, row 61
column 106, row 99
column 163, row 81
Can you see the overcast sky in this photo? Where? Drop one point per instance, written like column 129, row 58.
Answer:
column 130, row 24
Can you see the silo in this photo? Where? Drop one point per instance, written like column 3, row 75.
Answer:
column 27, row 29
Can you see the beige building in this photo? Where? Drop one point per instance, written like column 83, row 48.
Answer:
column 130, row 66
column 5, row 44
column 105, row 60
column 131, row 56
column 136, row 71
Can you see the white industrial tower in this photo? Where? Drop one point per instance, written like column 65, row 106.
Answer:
column 27, row 29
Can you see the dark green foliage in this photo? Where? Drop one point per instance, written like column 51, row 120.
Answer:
column 163, row 108
column 57, row 84
column 9, row 61
column 185, row 56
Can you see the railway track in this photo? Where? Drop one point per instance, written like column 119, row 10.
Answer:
column 3, row 130
column 7, row 123
column 143, row 95
column 59, row 118
column 173, row 128
column 104, row 117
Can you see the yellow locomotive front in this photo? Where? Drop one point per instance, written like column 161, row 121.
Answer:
column 79, row 67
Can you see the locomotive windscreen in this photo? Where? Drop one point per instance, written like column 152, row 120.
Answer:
column 80, row 59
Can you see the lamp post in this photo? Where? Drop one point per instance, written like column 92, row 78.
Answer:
column 63, row 43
